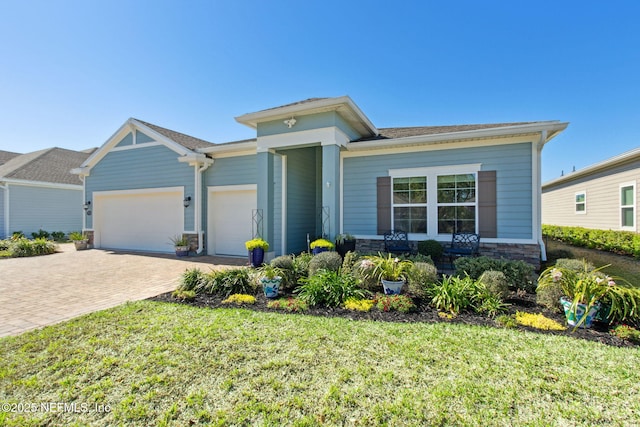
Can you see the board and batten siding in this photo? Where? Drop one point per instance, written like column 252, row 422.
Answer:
column 602, row 191
column 512, row 163
column 142, row 168
column 32, row 208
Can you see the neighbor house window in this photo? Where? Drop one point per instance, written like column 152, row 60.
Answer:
column 581, row 203
column 410, row 204
column 627, row 206
column 456, row 203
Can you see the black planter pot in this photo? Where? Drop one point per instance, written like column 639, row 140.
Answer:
column 256, row 257
column 346, row 246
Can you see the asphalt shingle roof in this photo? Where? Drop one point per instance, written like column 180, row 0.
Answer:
column 186, row 141
column 404, row 132
column 51, row 165
column 5, row 156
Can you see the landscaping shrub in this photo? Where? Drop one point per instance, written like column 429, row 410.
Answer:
column 58, row 236
column 229, row 281
column 555, row 254
column 507, row 321
column 325, row 261
column 422, row 276
column 417, row 258
column 191, row 280
column 549, row 297
column 351, row 259
column 40, row 234
column 431, row 248
column 287, row 270
column 488, row 303
column 329, row 288
column 577, row 265
column 22, row 247
column 43, row 247
column 518, row 273
column 496, row 283
column 301, row 265
column 401, row 303
column 357, row 304
column 620, row 242
column 454, row 294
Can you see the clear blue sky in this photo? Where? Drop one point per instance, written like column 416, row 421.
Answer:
column 71, row 72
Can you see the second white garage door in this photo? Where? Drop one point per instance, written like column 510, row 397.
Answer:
column 139, row 221
column 230, row 212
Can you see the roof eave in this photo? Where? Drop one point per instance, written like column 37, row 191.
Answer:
column 230, row 148
column 553, row 128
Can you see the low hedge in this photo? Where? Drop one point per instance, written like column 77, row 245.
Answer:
column 22, row 247
column 619, row 242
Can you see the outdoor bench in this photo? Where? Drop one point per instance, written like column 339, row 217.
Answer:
column 397, row 242
column 463, row 245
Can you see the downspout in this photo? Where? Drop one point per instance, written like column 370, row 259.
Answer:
column 198, row 203
column 5, row 187
column 543, row 249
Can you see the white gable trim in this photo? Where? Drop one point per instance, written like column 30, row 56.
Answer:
column 130, row 125
column 324, row 136
column 43, row 184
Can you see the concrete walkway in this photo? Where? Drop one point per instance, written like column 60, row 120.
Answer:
column 44, row 290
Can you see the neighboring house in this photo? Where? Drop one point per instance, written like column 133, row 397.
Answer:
column 318, row 167
column 602, row 196
column 38, row 191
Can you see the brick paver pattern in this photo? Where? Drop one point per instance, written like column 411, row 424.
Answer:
column 43, row 290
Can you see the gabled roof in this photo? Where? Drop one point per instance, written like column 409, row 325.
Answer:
column 5, row 156
column 185, row 140
column 52, row 165
column 621, row 159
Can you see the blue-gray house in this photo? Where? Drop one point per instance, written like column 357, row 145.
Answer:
column 37, row 191
column 318, row 167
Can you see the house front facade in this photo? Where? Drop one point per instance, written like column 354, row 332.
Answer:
column 318, row 167
column 601, row 196
column 38, row 192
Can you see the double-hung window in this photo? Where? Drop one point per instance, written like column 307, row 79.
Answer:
column 581, row 202
column 456, row 203
column 410, row 204
column 438, row 200
column 628, row 206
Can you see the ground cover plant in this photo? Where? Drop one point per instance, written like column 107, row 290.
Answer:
column 151, row 363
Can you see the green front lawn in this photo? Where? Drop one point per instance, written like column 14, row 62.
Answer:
column 156, row 363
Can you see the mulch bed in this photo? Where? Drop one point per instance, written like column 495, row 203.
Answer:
column 518, row 302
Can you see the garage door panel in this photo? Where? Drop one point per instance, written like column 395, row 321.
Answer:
column 230, row 221
column 143, row 222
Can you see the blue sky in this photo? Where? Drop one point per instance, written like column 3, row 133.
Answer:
column 71, row 72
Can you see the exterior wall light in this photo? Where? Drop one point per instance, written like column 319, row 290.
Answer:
column 187, row 201
column 87, row 207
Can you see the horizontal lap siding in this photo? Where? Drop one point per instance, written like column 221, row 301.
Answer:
column 49, row 209
column 511, row 162
column 149, row 167
column 602, row 197
column 2, row 224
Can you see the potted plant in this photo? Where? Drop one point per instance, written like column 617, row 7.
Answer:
column 320, row 245
column 79, row 240
column 181, row 245
column 586, row 290
column 271, row 278
column 256, row 248
column 345, row 242
column 391, row 271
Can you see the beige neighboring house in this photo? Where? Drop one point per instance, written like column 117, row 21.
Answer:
column 602, row 196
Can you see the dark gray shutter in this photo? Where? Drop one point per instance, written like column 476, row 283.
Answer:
column 487, row 204
column 384, row 204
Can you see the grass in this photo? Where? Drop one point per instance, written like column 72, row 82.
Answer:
column 168, row 364
column 622, row 266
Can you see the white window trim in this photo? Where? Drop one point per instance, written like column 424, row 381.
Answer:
column 631, row 184
column 575, row 203
column 432, row 174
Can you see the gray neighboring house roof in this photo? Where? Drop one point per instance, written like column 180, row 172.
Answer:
column 5, row 156
column 52, row 165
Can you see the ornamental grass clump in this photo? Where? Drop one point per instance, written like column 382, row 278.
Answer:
column 387, row 267
column 591, row 288
column 229, row 281
column 329, row 288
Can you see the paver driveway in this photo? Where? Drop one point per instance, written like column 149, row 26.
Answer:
column 43, row 290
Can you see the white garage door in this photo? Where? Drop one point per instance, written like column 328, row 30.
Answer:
column 230, row 220
column 138, row 221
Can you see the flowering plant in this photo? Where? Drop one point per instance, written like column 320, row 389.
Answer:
column 256, row 243
column 591, row 287
column 321, row 243
column 387, row 268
